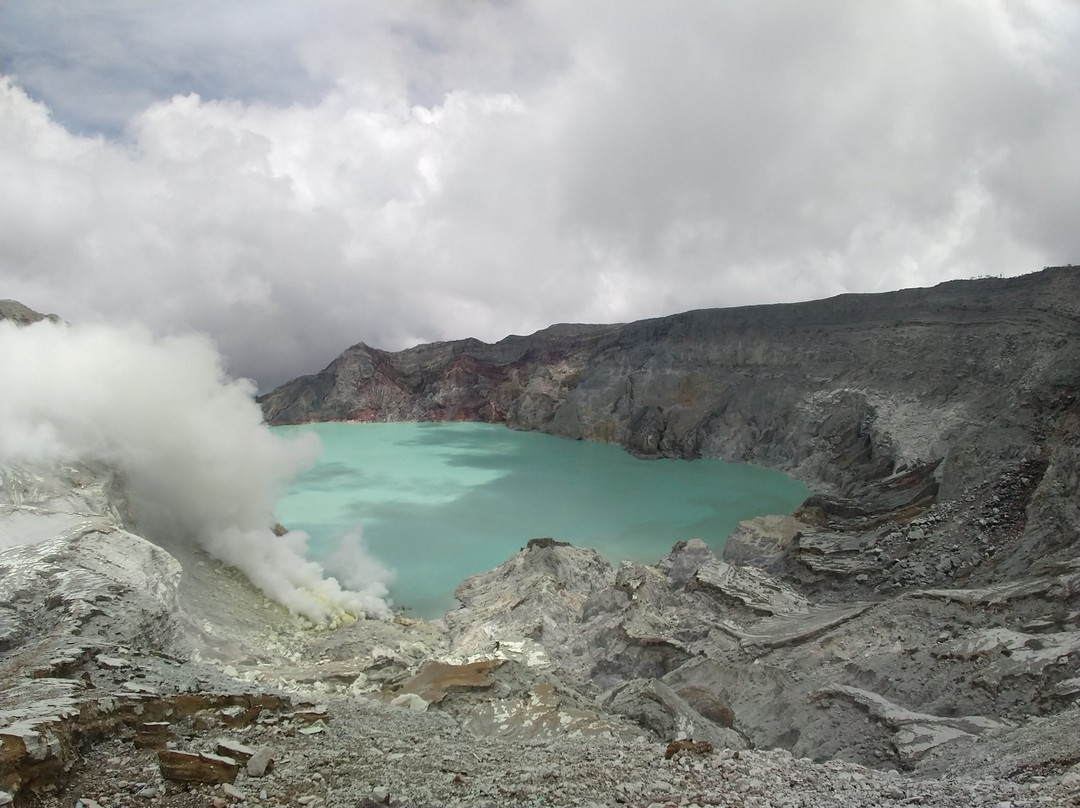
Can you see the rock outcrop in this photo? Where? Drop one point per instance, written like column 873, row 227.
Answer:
column 21, row 314
column 698, row 647
column 911, row 634
column 923, row 605
column 966, row 377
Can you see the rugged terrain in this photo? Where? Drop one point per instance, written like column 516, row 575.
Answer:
column 911, row 634
column 842, row 392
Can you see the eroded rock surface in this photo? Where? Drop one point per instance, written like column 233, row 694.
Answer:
column 909, row 635
column 841, row 391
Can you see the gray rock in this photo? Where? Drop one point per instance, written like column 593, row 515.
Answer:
column 663, row 712
column 260, row 763
column 935, row 425
column 410, row 701
column 749, row 586
column 23, row 315
column 915, row 733
column 762, row 542
column 232, row 792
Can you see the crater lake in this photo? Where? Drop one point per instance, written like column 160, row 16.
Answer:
column 438, row 502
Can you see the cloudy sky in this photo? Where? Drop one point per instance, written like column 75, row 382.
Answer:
column 294, row 176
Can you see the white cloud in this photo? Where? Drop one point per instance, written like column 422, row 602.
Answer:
column 479, row 169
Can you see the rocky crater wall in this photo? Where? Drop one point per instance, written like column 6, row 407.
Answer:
column 966, row 377
column 910, row 634
column 922, row 606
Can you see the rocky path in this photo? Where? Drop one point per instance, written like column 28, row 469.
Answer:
column 363, row 752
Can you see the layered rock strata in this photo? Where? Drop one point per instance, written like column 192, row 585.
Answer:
column 956, row 381
column 923, row 605
column 697, row 647
column 911, row 634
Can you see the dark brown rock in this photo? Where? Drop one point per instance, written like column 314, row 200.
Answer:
column 238, row 716
column 308, row 716
column 435, row 679
column 235, row 750
column 152, row 735
column 688, row 746
column 197, row 767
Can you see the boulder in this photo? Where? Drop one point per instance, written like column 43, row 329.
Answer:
column 761, row 542
column 657, row 708
column 260, row 763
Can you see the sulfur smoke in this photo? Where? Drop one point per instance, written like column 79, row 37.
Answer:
column 201, row 464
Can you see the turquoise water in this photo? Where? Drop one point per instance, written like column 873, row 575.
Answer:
column 440, row 502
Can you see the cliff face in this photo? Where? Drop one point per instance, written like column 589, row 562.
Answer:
column 922, row 615
column 929, row 592
column 967, row 375
column 966, row 393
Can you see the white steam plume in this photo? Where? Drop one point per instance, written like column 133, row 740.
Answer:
column 201, row 464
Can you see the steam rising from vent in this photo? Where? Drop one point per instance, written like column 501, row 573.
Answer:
column 201, row 465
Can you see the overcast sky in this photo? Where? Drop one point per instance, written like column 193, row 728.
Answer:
column 294, row 176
